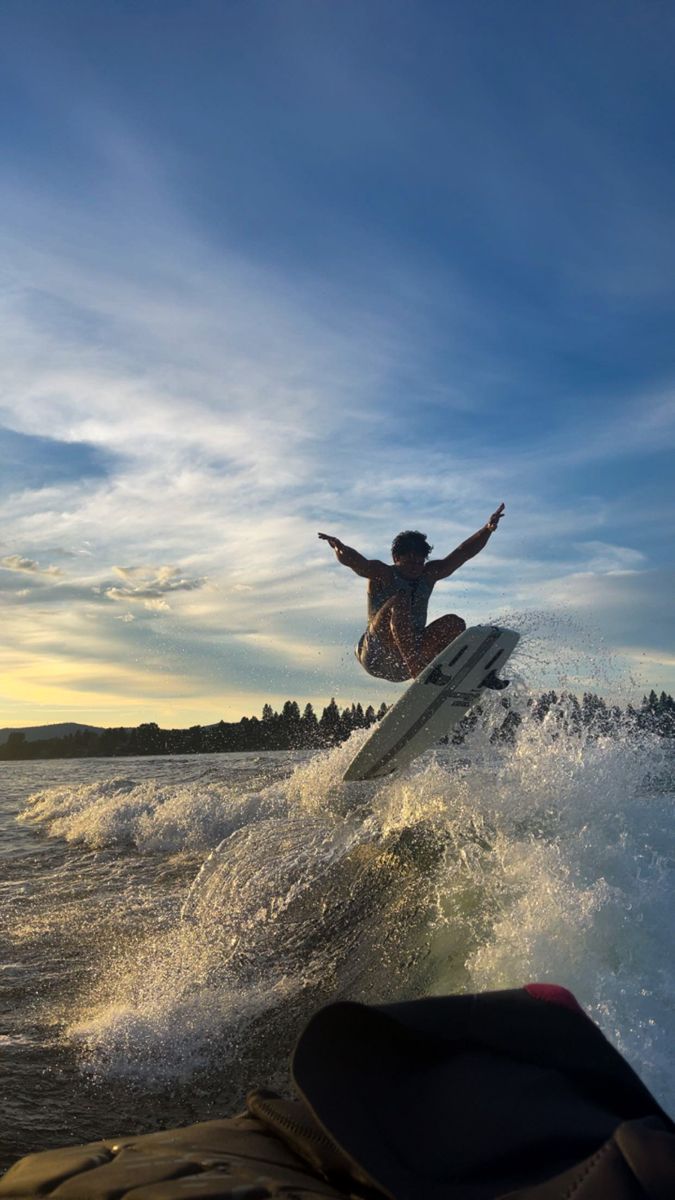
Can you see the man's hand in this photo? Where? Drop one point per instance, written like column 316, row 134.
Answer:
column 333, row 542
column 494, row 520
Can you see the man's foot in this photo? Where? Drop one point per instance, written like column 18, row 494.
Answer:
column 494, row 683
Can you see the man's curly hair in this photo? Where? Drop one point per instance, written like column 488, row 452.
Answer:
column 411, row 541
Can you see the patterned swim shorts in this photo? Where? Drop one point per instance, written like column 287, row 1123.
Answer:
column 378, row 660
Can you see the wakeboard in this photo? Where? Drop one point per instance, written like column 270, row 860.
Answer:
column 435, row 702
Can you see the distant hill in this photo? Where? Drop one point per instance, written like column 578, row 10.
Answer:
column 38, row 733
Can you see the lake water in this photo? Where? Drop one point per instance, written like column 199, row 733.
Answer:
column 168, row 924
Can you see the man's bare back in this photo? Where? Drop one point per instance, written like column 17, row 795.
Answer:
column 398, row 643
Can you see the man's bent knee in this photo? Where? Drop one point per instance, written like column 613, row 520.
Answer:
column 453, row 623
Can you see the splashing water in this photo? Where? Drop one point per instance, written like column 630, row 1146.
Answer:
column 486, row 865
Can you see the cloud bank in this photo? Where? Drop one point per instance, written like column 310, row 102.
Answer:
column 352, row 325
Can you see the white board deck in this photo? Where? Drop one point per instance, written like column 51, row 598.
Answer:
column 434, row 703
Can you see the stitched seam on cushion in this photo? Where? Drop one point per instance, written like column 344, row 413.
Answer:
column 590, row 1166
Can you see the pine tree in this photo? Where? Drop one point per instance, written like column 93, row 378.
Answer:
column 309, row 727
column 330, row 723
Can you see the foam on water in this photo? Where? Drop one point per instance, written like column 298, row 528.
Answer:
column 149, row 816
column 588, row 877
column 486, row 865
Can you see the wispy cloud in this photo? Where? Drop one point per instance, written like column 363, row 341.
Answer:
column 16, row 562
column 604, row 558
column 151, row 585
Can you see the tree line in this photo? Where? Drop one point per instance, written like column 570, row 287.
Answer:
column 291, row 729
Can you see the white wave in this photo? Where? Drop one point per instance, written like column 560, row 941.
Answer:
column 487, row 865
column 149, row 816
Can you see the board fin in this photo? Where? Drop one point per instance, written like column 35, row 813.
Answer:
column 494, row 683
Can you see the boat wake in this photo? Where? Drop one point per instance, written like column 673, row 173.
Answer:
column 486, row 865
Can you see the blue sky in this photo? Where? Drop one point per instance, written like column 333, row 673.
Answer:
column 274, row 267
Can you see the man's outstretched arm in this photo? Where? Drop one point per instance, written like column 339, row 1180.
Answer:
column 440, row 568
column 368, row 568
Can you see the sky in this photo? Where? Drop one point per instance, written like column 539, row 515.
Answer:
column 270, row 267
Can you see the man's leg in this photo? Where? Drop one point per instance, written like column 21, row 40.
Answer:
column 394, row 628
column 437, row 636
column 403, row 633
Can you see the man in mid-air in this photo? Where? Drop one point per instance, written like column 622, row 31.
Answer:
column 398, row 643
